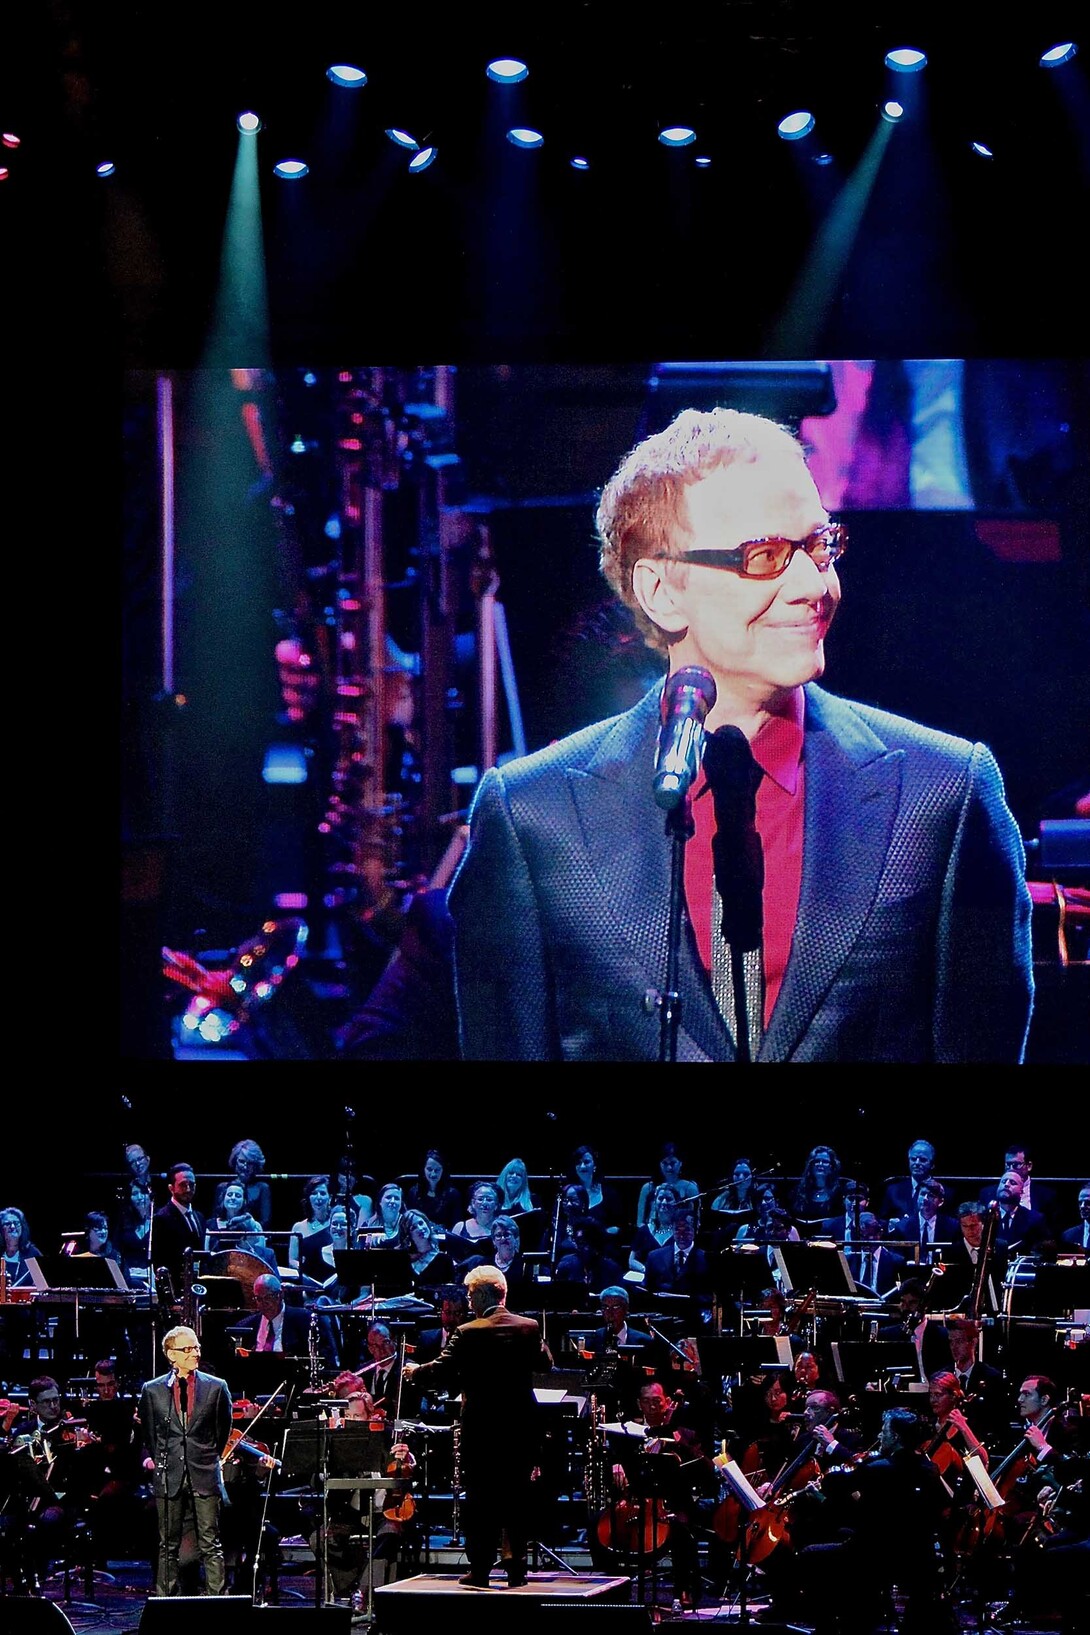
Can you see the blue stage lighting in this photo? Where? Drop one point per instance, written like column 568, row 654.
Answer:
column 523, row 136
column 507, row 70
column 982, row 150
column 248, row 122
column 795, row 126
column 906, row 60
column 402, row 139
column 290, row 170
column 677, row 136
column 892, row 112
column 420, row 161
column 579, row 163
column 1057, row 55
column 346, row 75
column 105, row 168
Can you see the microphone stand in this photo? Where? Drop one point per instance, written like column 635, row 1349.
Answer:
column 680, row 828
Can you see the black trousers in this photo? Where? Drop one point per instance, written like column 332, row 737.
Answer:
column 199, row 1514
column 497, row 1511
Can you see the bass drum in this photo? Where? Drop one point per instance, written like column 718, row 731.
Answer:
column 237, row 1264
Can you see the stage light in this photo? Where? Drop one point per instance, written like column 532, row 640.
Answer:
column 579, row 163
column 892, row 112
column 507, row 70
column 284, row 763
column 4, row 173
column 248, row 122
column 702, row 161
column 290, row 170
column 105, row 168
column 982, row 150
column 677, row 136
column 795, row 126
column 347, row 76
column 1058, row 55
column 402, row 139
column 9, row 139
column 420, row 161
column 906, row 60
column 524, row 136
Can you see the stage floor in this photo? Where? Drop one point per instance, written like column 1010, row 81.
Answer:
column 119, row 1594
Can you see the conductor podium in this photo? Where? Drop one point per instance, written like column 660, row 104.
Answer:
column 430, row 1601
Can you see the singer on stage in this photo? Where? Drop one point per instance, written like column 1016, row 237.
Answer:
column 185, row 1416
column 853, row 883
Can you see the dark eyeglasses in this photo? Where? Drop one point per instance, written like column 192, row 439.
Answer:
column 768, row 558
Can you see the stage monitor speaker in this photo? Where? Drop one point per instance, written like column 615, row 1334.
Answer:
column 29, row 1615
column 596, row 1617
column 182, row 1614
column 296, row 1620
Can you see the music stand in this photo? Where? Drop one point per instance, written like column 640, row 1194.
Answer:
column 376, row 1269
column 859, row 1362
column 738, row 1355
column 461, row 1249
column 93, row 1272
column 751, row 1502
column 821, row 1267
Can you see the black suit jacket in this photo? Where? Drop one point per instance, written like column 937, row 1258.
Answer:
column 889, row 1268
column 294, row 1336
column 596, row 1339
column 171, row 1237
column 659, row 1276
column 492, row 1361
column 960, row 1273
column 192, row 1448
column 1074, row 1235
column 908, row 1227
column 1023, row 1232
column 912, row 944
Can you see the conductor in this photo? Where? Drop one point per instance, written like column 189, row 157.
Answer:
column 492, row 1361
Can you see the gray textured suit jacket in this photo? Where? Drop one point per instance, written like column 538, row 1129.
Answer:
column 912, row 939
column 195, row 1446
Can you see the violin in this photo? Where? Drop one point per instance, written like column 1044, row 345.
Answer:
column 239, row 1442
column 400, row 1504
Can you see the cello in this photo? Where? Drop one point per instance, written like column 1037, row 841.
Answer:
column 770, row 1526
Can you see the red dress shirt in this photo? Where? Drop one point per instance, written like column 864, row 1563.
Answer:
column 777, row 750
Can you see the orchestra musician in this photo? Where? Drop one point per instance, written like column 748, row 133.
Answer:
column 1051, row 1557
column 48, row 1494
column 893, row 1505
column 662, row 1481
column 178, row 1227
column 276, row 1326
column 949, row 1437
column 876, row 1268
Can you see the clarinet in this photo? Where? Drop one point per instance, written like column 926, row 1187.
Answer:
column 455, row 1512
column 312, row 1350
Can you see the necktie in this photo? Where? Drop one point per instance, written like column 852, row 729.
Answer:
column 868, row 1269
column 268, row 1341
column 737, row 912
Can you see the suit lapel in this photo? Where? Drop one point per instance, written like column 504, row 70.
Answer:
column 852, row 787
column 629, row 850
